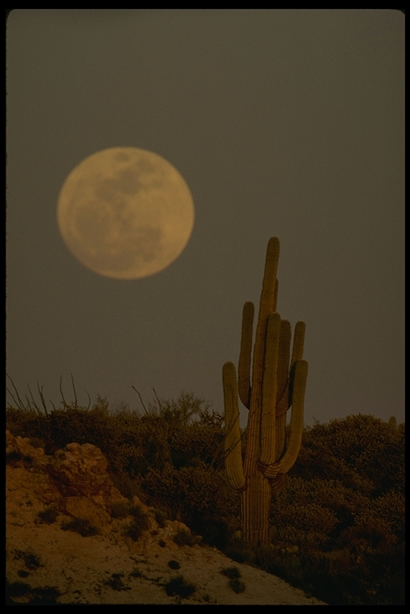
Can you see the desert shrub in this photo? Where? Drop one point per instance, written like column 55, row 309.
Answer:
column 231, row 572
column 179, row 586
column 17, row 589
column 181, row 411
column 362, row 451
column 116, row 582
column 13, row 458
column 239, row 551
column 174, row 564
column 160, row 517
column 31, row 560
column 312, row 513
column 37, row 442
column 237, row 585
column 198, row 496
column 23, row 422
column 138, row 524
column 391, row 509
column 195, row 444
column 343, row 508
column 120, row 509
column 46, row 595
column 83, row 526
column 48, row 515
column 184, row 537
column 81, row 426
column 127, row 486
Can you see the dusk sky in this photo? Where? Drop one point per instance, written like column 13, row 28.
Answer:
column 286, row 123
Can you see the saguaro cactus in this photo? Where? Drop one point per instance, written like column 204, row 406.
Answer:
column 274, row 382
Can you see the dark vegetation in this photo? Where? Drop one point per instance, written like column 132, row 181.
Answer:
column 80, row 525
column 337, row 527
column 138, row 524
column 179, row 586
column 234, row 574
column 48, row 515
column 46, row 595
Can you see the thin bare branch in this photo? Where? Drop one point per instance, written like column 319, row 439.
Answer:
column 75, row 392
column 34, row 403
column 142, row 402
column 19, row 402
column 40, row 392
column 62, row 394
column 158, row 401
column 28, row 403
column 89, row 400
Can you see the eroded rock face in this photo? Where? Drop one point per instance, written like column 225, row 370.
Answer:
column 75, row 481
column 81, row 470
column 20, row 450
column 78, row 483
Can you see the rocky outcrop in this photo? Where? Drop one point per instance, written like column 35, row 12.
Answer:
column 78, row 485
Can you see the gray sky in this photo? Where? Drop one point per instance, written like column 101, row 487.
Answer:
column 284, row 123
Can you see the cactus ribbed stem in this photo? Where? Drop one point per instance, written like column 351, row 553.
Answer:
column 269, row 383
column 245, row 356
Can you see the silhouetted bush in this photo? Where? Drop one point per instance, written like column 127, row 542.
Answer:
column 184, row 537
column 237, row 585
column 179, row 586
column 120, row 509
column 48, row 515
column 231, row 572
column 138, row 524
column 83, row 526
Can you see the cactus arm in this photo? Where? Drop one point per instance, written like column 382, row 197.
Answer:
column 298, row 342
column 269, row 284
column 282, row 402
column 233, row 448
column 268, row 294
column 275, row 295
column 283, row 366
column 296, row 423
column 244, row 365
column 269, row 390
column 266, row 306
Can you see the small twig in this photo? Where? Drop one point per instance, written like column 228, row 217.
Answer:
column 34, row 403
column 142, row 402
column 19, row 403
column 158, row 401
column 40, row 392
column 62, row 394
column 75, row 393
column 89, row 400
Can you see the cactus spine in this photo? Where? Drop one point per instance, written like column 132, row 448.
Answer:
column 268, row 386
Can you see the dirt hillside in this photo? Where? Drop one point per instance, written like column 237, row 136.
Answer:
column 49, row 563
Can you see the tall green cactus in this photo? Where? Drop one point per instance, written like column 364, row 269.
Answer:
column 276, row 382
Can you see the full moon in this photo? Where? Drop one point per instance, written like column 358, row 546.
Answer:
column 125, row 213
